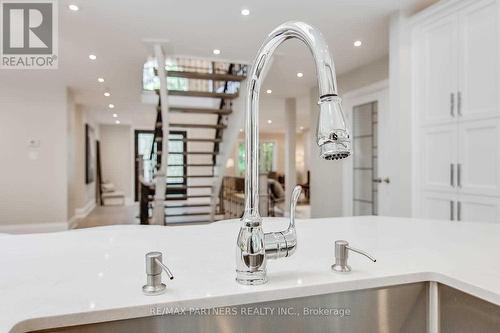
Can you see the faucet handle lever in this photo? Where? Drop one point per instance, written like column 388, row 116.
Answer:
column 297, row 190
column 342, row 249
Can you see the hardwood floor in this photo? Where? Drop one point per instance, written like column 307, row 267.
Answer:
column 110, row 215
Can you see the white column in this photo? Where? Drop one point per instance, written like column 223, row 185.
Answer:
column 160, row 178
column 290, row 137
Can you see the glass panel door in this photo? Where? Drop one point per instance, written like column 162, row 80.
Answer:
column 365, row 161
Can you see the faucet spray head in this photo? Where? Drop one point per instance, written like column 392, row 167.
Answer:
column 333, row 136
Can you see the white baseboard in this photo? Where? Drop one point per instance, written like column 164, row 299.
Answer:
column 81, row 213
column 33, row 228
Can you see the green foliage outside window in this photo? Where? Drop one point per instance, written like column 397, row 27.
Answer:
column 267, row 154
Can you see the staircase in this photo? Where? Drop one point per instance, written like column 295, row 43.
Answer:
column 198, row 118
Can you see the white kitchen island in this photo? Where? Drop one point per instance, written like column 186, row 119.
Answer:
column 95, row 275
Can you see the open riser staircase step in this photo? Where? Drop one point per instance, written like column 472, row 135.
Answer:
column 188, row 110
column 202, row 94
column 205, row 76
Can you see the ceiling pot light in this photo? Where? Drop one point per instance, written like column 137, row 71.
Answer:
column 269, row 91
column 115, row 115
column 111, row 106
column 117, row 122
column 92, row 57
column 74, row 8
column 241, row 130
column 100, row 79
column 245, row 12
column 269, row 121
column 299, row 74
column 216, row 51
column 107, row 94
column 357, row 43
column 301, row 128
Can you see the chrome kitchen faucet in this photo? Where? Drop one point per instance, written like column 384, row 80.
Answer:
column 253, row 247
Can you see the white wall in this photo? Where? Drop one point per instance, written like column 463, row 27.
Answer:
column 81, row 196
column 117, row 157
column 363, row 76
column 33, row 181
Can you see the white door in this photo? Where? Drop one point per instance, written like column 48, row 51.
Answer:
column 478, row 209
column 438, row 205
column 478, row 61
column 437, row 97
column 478, row 171
column 438, row 146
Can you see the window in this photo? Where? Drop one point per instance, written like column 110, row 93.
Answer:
column 267, row 157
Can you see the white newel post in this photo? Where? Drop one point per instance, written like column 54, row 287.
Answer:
column 160, row 178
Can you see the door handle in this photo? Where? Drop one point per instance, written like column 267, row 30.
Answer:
column 380, row 180
column 452, row 210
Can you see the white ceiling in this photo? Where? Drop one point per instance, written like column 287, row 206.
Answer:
column 114, row 30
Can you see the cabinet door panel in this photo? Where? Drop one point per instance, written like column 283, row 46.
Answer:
column 478, row 209
column 478, row 60
column 437, row 205
column 439, row 154
column 439, row 71
column 479, row 157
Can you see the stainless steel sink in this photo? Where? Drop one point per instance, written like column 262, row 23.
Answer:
column 402, row 308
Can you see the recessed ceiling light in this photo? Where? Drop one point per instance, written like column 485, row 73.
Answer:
column 111, row 106
column 269, row 91
column 245, row 12
column 117, row 122
column 216, row 51
column 269, row 121
column 92, row 57
column 74, row 8
column 115, row 115
column 100, row 79
column 299, row 74
column 357, row 43
column 241, row 130
column 301, row 128
column 107, row 94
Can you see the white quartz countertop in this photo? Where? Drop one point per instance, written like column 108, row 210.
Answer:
column 95, row 275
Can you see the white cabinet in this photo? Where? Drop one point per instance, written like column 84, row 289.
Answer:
column 456, row 95
column 438, row 205
column 478, row 61
column 439, row 70
column 478, row 208
column 478, row 167
column 438, row 157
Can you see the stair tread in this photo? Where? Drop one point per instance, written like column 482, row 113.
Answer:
column 207, row 94
column 217, row 126
column 187, row 186
column 187, row 214
column 177, row 196
column 198, row 110
column 188, row 205
column 196, row 140
column 205, row 76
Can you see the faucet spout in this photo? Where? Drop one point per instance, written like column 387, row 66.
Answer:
column 332, row 137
